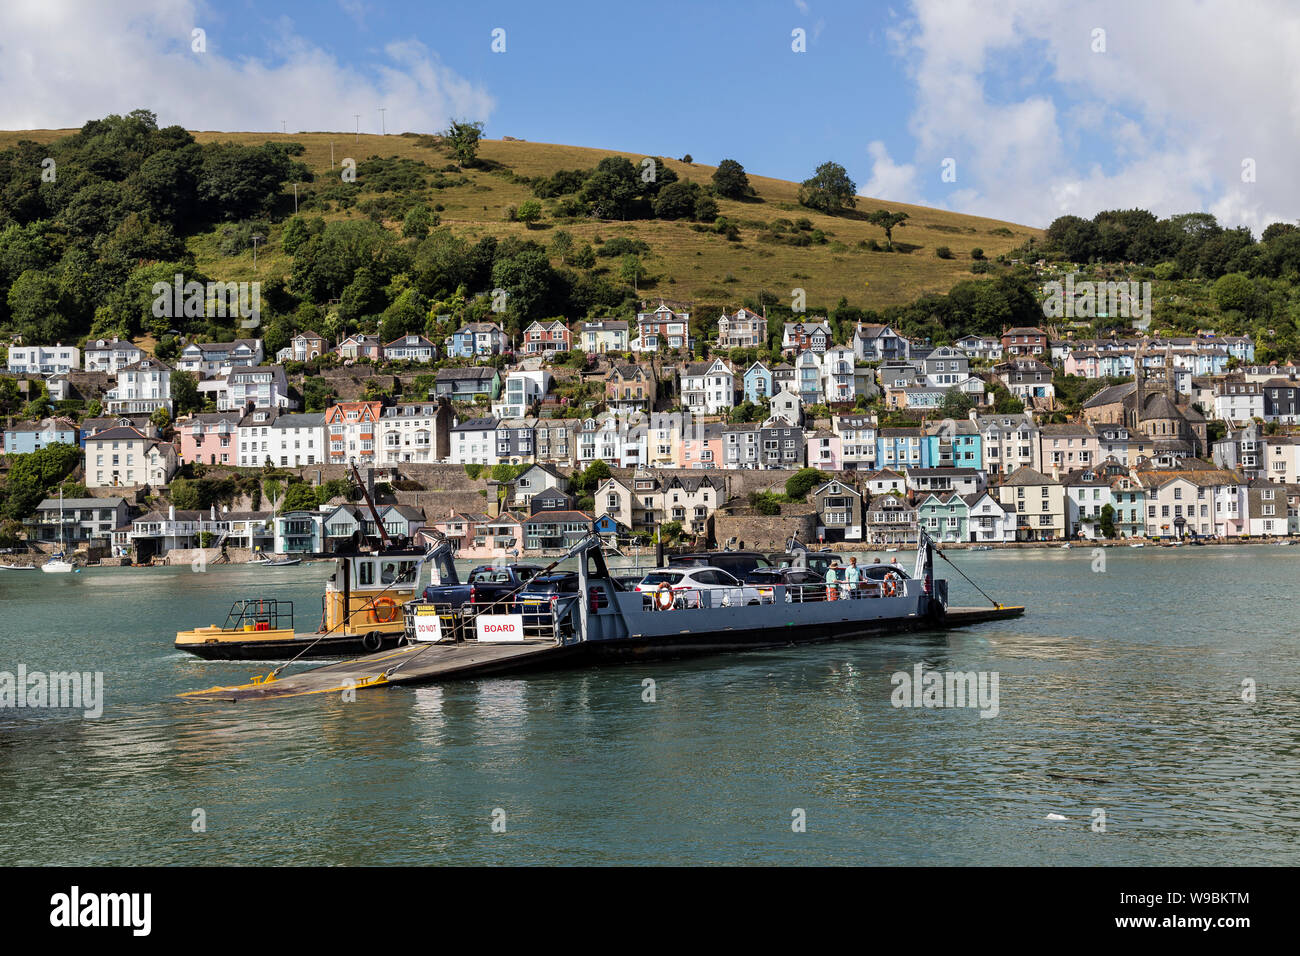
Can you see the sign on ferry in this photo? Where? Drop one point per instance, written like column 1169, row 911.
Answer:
column 500, row 628
column 428, row 625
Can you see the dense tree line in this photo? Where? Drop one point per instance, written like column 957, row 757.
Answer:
column 81, row 215
column 1190, row 245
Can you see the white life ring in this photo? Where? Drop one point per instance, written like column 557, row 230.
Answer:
column 664, row 597
column 889, row 585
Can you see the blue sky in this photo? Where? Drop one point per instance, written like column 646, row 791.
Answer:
column 671, row 78
column 1041, row 107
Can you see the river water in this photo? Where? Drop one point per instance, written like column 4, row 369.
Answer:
column 1120, row 691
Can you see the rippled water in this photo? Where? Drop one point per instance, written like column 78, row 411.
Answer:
column 1131, row 678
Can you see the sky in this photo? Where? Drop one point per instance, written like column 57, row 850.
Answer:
column 1022, row 110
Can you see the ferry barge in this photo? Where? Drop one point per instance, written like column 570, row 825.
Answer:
column 602, row 621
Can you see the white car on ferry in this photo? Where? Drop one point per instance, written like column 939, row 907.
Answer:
column 685, row 587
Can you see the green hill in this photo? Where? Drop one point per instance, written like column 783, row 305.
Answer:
column 685, row 261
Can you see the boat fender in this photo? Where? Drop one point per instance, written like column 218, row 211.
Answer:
column 372, row 641
column 889, row 586
column 389, row 605
column 664, row 597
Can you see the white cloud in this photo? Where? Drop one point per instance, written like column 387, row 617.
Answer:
column 889, row 180
column 1042, row 126
column 63, row 62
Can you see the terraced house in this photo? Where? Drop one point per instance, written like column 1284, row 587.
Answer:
column 282, row 438
column 1039, row 503
column 350, row 431
column 411, row 432
column 857, row 435
column 1009, row 442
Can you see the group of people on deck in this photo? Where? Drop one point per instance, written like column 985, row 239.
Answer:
column 841, row 580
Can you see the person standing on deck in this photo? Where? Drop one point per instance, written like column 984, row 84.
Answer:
column 830, row 580
column 852, row 575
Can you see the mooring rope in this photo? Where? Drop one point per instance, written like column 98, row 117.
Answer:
column 963, row 574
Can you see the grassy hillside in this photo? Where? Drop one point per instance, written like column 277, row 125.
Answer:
column 684, row 264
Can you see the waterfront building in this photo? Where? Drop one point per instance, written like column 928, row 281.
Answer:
column 1039, row 503
column 841, row 511
column 88, row 521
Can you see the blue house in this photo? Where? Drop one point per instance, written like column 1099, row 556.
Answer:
column 477, row 338
column 953, row 444
column 758, row 383
column 33, row 436
column 898, row 448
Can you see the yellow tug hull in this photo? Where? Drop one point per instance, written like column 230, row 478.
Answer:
column 218, row 635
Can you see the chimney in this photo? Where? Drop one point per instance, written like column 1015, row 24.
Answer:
column 171, row 512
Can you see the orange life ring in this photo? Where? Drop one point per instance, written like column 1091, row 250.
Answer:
column 889, row 585
column 385, row 602
column 664, row 597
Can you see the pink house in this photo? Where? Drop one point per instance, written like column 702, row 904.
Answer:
column 360, row 346
column 1084, row 364
column 824, row 450
column 701, row 446
column 209, row 438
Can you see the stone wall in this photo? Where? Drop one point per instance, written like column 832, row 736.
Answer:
column 765, row 532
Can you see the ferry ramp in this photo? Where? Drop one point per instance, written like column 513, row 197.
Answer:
column 410, row 664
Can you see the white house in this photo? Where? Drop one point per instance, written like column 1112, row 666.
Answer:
column 265, row 386
column 207, row 359
column 110, row 355
column 410, row 348
column 43, row 359
column 522, row 388
column 287, row 441
column 474, row 442
column 141, row 388
column 708, row 387
column 122, row 457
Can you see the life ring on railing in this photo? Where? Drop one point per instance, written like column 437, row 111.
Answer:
column 664, row 597
column 384, row 602
column 889, row 585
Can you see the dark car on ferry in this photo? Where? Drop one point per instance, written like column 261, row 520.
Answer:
column 736, row 563
column 486, row 585
column 786, row 576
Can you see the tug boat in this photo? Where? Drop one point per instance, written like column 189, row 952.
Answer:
column 363, row 607
column 588, row 617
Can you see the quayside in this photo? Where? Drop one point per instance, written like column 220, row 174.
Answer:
column 603, row 622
